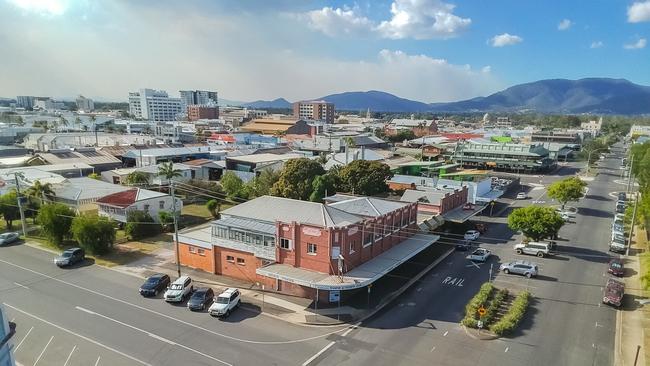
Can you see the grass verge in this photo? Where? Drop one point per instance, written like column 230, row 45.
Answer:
column 514, row 315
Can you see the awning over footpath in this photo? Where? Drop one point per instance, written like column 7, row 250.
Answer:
column 360, row 276
column 461, row 214
column 490, row 196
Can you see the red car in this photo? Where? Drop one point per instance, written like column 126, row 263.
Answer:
column 614, row 291
column 616, row 267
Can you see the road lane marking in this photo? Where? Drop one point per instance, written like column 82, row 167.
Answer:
column 175, row 319
column 315, row 356
column 70, row 355
column 97, row 362
column 77, row 334
column 20, row 285
column 507, row 348
column 444, row 335
column 23, row 340
column 43, row 351
column 155, row 336
column 432, row 349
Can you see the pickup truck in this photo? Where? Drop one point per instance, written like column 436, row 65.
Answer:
column 479, row 255
column 613, row 293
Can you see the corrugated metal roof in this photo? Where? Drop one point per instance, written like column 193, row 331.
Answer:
column 368, row 206
column 247, row 224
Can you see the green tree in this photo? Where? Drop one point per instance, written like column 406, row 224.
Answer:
column 94, row 176
column 93, row 233
column 214, row 207
column 56, row 220
column 139, row 224
column 322, row 186
column 166, row 220
column 296, row 179
column 137, row 179
column 262, row 184
column 233, row 186
column 40, row 191
column 9, row 208
column 365, row 177
column 167, row 171
column 569, row 189
column 536, row 222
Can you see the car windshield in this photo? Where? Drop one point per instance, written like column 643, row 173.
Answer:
column 152, row 280
column 616, row 265
column 176, row 286
column 4, row 236
column 66, row 254
column 222, row 300
column 198, row 295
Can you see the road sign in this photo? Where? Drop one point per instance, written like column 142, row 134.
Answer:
column 480, row 324
column 481, row 311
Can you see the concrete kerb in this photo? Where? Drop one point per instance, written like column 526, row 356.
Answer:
column 483, row 335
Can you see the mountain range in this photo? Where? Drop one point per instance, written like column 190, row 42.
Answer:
column 591, row 95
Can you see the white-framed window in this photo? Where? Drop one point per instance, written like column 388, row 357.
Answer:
column 311, row 248
column 192, row 249
column 405, row 218
column 201, row 252
column 353, row 246
column 230, row 258
column 387, row 228
column 395, row 224
column 161, row 204
column 241, row 261
column 377, row 231
column 367, row 235
column 285, row 244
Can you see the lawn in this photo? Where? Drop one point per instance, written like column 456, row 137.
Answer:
column 196, row 214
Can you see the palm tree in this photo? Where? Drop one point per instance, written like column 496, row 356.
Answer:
column 136, row 179
column 54, row 126
column 167, row 171
column 77, row 121
column 63, row 122
column 40, row 191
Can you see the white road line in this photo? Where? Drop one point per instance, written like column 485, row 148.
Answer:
column 43, row 351
column 507, row 348
column 70, row 355
column 20, row 285
column 432, row 349
column 152, row 335
column 23, row 340
column 312, row 358
column 175, row 319
column 444, row 335
column 97, row 362
column 77, row 334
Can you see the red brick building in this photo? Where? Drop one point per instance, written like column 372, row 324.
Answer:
column 196, row 112
column 308, row 249
column 420, row 127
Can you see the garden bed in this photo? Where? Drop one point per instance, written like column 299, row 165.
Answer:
column 502, row 312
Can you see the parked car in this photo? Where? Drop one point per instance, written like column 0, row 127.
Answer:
column 225, row 303
column 622, row 196
column 619, row 216
column 613, row 293
column 620, row 209
column 8, row 238
column 179, row 290
column 70, row 256
column 533, row 248
column 618, row 245
column 201, row 298
column 615, row 267
column 523, row 268
column 463, row 245
column 479, row 255
column 155, row 284
column 565, row 217
column 472, row 235
column 621, row 202
column 618, row 229
column 521, row 196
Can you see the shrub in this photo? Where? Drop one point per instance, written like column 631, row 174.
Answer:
column 514, row 315
column 471, row 309
column 139, row 224
column 56, row 220
column 494, row 306
column 94, row 234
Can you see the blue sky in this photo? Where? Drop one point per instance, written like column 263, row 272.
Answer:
column 428, row 50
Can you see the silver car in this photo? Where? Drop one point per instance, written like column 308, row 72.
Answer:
column 7, row 238
column 524, row 268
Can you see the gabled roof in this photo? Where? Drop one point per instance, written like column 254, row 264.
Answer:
column 368, row 206
column 127, row 198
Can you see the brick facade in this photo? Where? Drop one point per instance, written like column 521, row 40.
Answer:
column 196, row 257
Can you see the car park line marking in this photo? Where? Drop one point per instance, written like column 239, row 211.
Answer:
column 77, row 334
column 506, row 350
column 444, row 335
column 70, row 355
column 43, row 351
column 23, row 286
column 343, row 328
column 97, row 362
column 432, row 349
column 472, row 263
column 152, row 335
column 315, row 356
column 418, row 289
column 23, row 340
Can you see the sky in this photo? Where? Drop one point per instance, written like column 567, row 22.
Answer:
column 426, row 50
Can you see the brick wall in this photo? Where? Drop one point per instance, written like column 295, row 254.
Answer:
column 196, row 257
column 228, row 262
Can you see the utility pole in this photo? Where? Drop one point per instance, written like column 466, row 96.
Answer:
column 178, row 256
column 20, row 203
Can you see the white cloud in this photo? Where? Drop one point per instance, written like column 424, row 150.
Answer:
column 564, row 24
column 505, row 39
column 417, row 19
column 45, row 7
column 641, row 43
column 639, row 12
column 596, row 44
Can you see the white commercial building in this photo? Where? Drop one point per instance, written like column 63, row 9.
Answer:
column 154, row 105
column 85, row 104
column 198, row 97
column 48, row 104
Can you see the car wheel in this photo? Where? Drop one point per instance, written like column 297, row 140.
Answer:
column 238, row 303
column 227, row 313
column 518, row 251
column 529, row 275
column 540, row 254
column 155, row 292
column 506, row 271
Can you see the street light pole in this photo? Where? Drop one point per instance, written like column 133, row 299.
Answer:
column 20, row 203
column 178, row 255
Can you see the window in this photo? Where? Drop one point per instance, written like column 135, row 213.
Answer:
column 192, row 249
column 146, row 207
column 230, row 258
column 367, row 235
column 311, row 248
column 377, row 229
column 241, row 261
column 353, row 246
column 285, row 243
column 201, row 251
column 161, row 204
column 405, row 218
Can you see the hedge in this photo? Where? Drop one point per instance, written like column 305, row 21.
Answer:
column 514, row 315
column 471, row 309
column 491, row 310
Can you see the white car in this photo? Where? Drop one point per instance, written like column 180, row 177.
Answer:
column 179, row 290
column 225, row 303
column 565, row 216
column 521, row 196
column 471, row 235
column 479, row 255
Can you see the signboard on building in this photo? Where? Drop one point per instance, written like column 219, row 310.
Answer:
column 336, row 251
column 335, row 295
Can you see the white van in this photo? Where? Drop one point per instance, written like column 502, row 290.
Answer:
column 533, row 248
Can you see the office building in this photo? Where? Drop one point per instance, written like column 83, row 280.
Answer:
column 315, row 109
column 198, row 97
column 48, row 104
column 154, row 105
column 498, row 156
column 196, row 112
column 85, row 104
column 25, row 101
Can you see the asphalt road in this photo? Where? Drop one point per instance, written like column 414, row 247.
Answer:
column 90, row 315
column 566, row 325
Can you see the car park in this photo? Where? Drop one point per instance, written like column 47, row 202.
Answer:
column 613, row 292
column 615, row 267
column 70, row 256
column 225, row 303
column 479, row 255
column 523, row 268
column 200, row 299
column 179, row 290
column 155, row 284
column 471, row 235
column 521, row 196
column 8, row 238
column 533, row 248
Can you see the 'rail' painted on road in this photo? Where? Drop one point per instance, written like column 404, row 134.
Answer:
column 455, row 281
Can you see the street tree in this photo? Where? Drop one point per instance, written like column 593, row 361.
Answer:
column 9, row 208
column 233, row 186
column 364, row 177
column 296, row 179
column 536, row 222
column 56, row 220
column 566, row 190
column 93, row 233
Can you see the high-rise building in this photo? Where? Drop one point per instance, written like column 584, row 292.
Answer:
column 314, row 109
column 154, row 105
column 198, row 97
column 25, row 101
column 48, row 104
column 85, row 104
